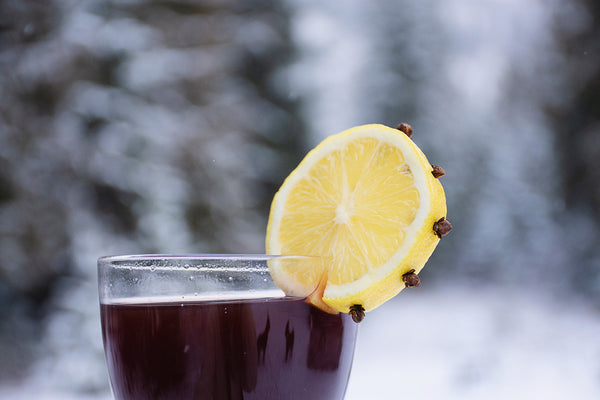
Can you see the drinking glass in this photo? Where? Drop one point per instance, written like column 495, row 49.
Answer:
column 217, row 327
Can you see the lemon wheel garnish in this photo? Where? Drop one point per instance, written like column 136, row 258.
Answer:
column 366, row 201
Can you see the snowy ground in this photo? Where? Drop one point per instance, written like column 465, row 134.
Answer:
column 456, row 343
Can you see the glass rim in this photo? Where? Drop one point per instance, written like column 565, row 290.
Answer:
column 200, row 261
column 197, row 256
column 162, row 276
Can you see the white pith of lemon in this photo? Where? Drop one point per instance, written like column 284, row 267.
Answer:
column 365, row 200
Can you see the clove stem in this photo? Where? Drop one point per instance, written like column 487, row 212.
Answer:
column 406, row 128
column 442, row 227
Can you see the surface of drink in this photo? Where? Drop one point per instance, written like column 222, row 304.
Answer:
column 254, row 349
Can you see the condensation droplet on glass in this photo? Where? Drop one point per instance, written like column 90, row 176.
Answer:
column 230, row 278
column 191, row 278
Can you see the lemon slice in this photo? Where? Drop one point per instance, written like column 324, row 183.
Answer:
column 366, row 201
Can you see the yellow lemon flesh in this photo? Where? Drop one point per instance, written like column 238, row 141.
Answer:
column 365, row 201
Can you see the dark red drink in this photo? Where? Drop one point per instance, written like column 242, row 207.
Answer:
column 276, row 349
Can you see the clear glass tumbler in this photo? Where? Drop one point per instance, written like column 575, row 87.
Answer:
column 217, row 327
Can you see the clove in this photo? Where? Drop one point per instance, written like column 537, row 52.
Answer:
column 406, row 128
column 438, row 171
column 442, row 227
column 411, row 279
column 357, row 312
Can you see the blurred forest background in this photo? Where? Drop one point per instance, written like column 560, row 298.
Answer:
column 167, row 126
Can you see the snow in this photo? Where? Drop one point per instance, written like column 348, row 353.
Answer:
column 460, row 343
